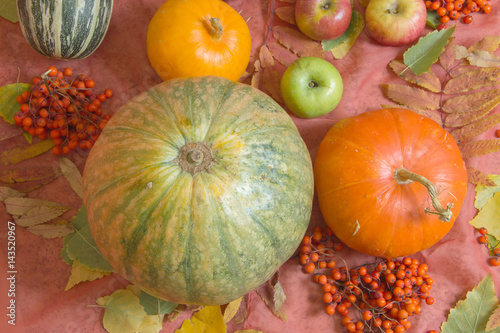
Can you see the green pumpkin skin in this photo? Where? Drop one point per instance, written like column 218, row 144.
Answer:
column 194, row 232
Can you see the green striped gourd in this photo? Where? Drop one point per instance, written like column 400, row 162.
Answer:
column 198, row 190
column 64, row 29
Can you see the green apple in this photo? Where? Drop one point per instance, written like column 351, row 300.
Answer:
column 311, row 87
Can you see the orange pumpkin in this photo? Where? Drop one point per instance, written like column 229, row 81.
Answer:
column 189, row 38
column 390, row 182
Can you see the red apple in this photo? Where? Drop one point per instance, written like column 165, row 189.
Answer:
column 395, row 22
column 323, row 19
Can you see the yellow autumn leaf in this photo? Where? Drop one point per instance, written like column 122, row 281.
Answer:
column 19, row 154
column 73, row 175
column 343, row 48
column 124, row 314
column 80, row 273
column 208, row 320
column 232, row 309
column 51, row 230
column 488, row 216
column 484, row 193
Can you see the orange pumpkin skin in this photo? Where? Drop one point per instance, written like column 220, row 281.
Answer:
column 359, row 196
column 184, row 40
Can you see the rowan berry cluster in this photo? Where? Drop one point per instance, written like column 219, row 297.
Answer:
column 68, row 111
column 455, row 10
column 493, row 250
column 375, row 297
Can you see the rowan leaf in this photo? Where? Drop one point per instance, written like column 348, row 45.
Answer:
column 8, row 10
column 427, row 113
column 282, row 54
column 231, row 309
column 478, row 178
column 472, row 314
column 51, row 230
column 479, row 100
column 484, row 193
column 124, row 314
column 460, row 119
column 155, row 306
column 8, row 103
column 448, row 57
column 468, row 132
column 297, row 42
column 272, row 294
column 343, row 44
column 80, row 245
column 487, row 43
column 479, row 148
column 73, row 175
column 271, row 83
column 493, row 321
column 257, row 74
column 80, row 273
column 265, row 57
column 473, row 79
column 421, row 56
column 482, row 58
column 19, row 154
column 7, row 192
column 207, row 320
column 428, row 80
column 286, row 13
column 412, row 96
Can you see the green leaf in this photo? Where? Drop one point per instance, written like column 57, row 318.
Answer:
column 484, row 193
column 155, row 306
column 332, row 43
column 433, row 19
column 420, row 57
column 8, row 94
column 473, row 313
column 80, row 245
column 8, row 10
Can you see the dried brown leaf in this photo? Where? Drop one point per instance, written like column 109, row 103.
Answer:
column 465, row 118
column 476, row 128
column 271, row 83
column 477, row 177
column 427, row 113
column 478, row 148
column 494, row 320
column 26, row 174
column 282, row 54
column 287, row 14
column 19, row 154
column 9, row 131
column 72, row 175
column 481, row 58
column 255, row 82
column 427, row 80
column 411, row 96
column 7, row 192
column 461, row 52
column 297, row 42
column 273, row 296
column 487, row 99
column 51, row 230
column 488, row 43
column 473, row 79
column 447, row 57
column 265, row 57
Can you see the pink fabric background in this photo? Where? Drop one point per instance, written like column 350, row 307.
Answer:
column 456, row 264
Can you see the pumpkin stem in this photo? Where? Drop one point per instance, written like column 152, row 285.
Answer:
column 404, row 176
column 194, row 157
column 216, row 31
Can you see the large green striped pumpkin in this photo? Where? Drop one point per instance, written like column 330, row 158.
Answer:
column 198, row 190
column 64, row 29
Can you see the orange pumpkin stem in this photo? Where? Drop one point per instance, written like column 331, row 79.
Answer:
column 404, row 176
column 216, row 31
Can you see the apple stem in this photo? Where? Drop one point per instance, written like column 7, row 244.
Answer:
column 404, row 176
column 313, row 84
